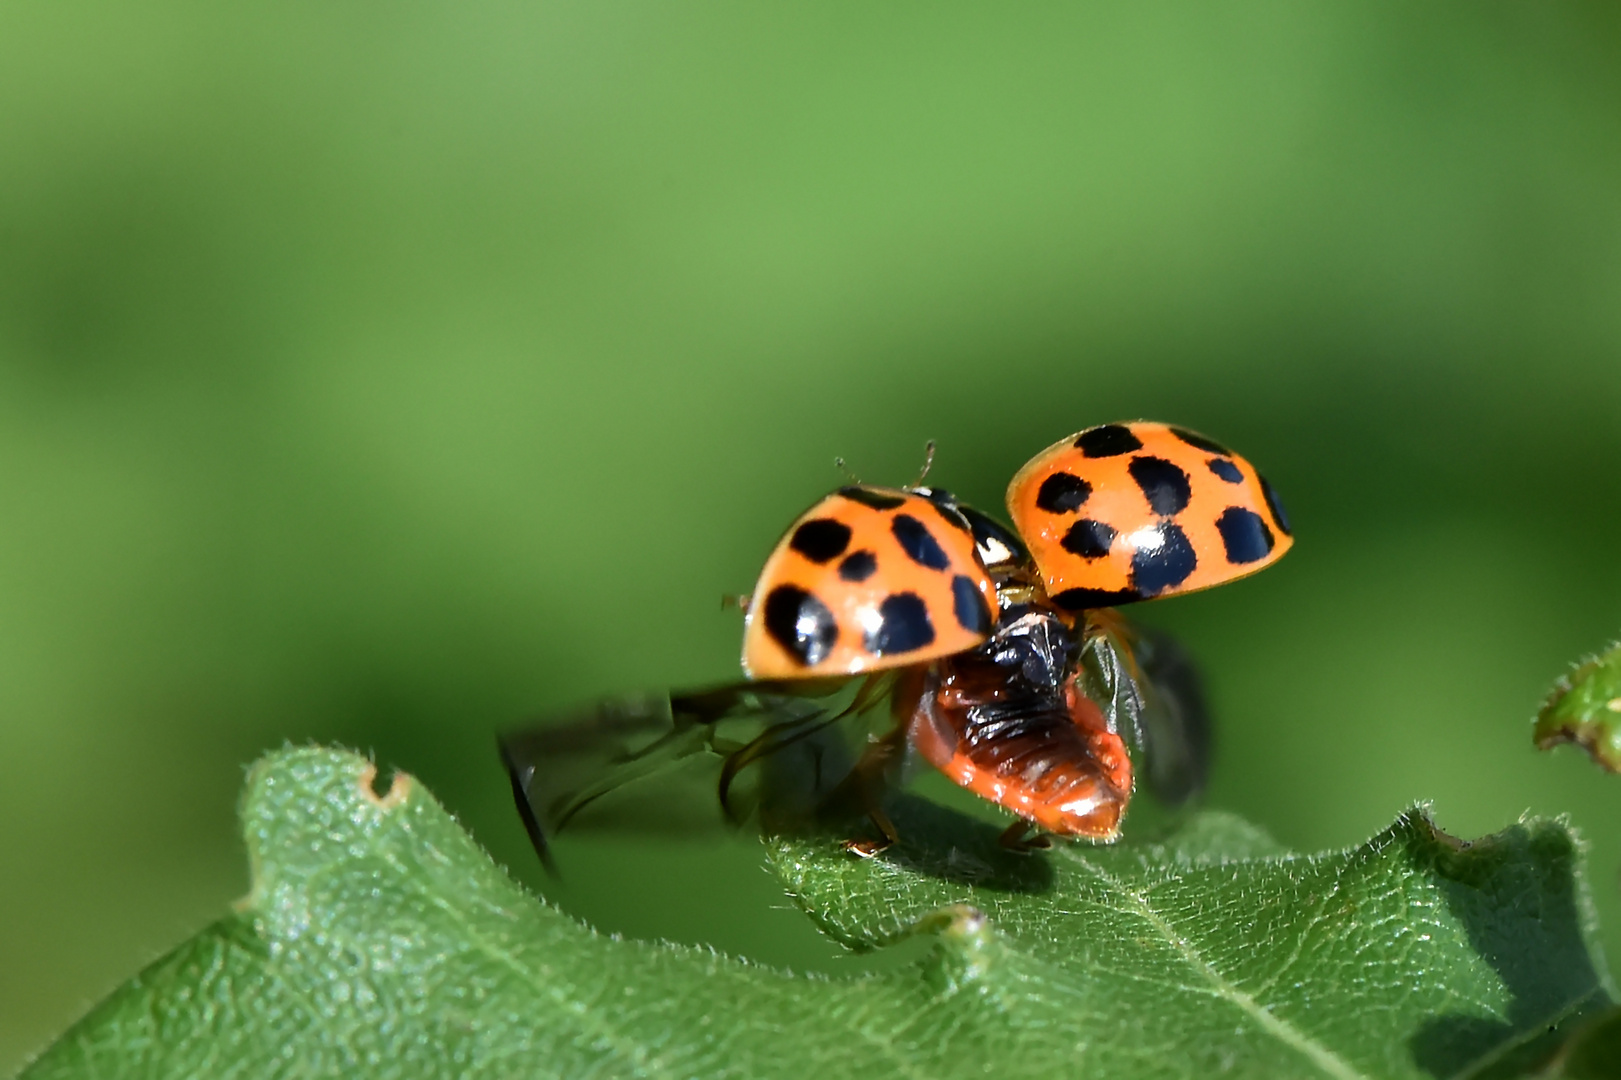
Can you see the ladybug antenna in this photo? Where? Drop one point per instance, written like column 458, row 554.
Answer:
column 928, row 463
column 838, row 463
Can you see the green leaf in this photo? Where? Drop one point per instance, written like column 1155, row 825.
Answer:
column 1585, row 709
column 1414, row 954
column 379, row 941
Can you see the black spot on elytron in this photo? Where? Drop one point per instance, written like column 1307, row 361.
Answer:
column 1063, row 493
column 1089, row 539
column 1275, row 506
column 801, row 624
column 1193, row 438
column 1108, row 440
column 919, row 543
column 973, row 615
column 1082, row 599
column 1164, row 485
column 858, row 566
column 1244, row 534
column 866, row 496
column 1226, row 470
column 946, row 503
column 821, row 539
column 1155, row 568
column 905, row 625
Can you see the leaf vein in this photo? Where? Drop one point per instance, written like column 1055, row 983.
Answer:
column 1324, row 1058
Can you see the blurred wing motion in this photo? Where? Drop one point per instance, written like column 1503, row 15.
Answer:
column 1175, row 722
column 1149, row 686
column 561, row 767
column 815, row 748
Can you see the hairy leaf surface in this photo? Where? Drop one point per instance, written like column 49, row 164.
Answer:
column 378, row 941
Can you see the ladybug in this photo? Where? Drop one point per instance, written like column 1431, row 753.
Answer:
column 996, row 650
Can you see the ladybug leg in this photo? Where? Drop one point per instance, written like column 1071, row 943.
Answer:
column 1019, row 839
column 863, row 788
column 866, row 849
column 867, row 782
column 868, row 779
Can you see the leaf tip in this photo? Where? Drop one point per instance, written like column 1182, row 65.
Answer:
column 1584, row 708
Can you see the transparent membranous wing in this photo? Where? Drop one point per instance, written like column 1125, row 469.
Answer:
column 776, row 749
column 1149, row 686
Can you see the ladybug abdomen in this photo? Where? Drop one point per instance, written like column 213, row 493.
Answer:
column 1034, row 746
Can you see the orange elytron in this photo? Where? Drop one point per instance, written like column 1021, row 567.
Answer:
column 867, row 578
column 1128, row 512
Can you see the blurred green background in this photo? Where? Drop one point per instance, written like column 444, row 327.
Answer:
column 385, row 374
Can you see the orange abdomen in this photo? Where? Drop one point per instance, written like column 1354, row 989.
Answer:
column 1052, row 761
